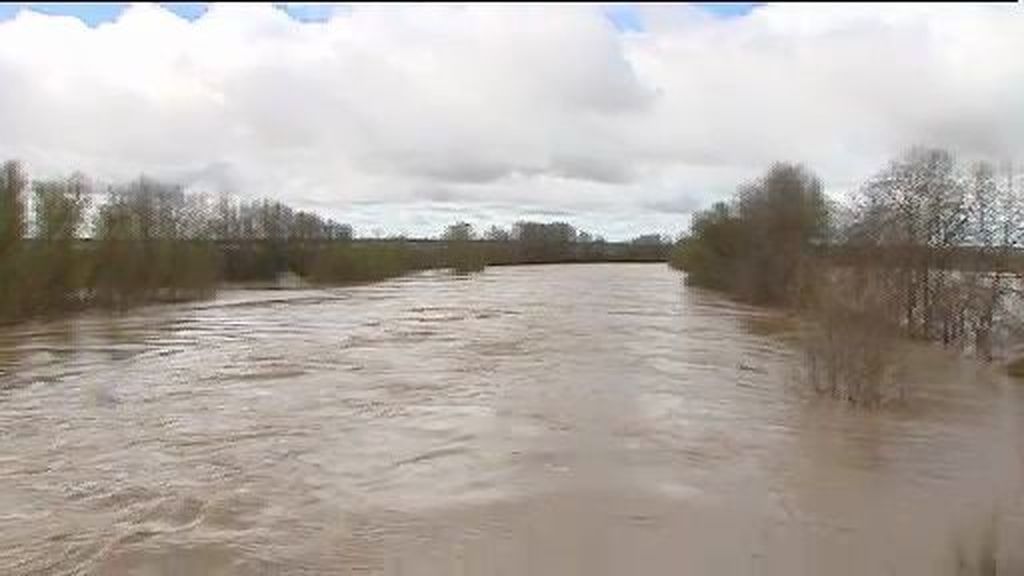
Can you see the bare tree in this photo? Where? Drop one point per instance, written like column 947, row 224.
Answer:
column 59, row 208
column 12, row 230
column 497, row 234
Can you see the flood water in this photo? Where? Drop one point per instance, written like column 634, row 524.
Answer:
column 579, row 419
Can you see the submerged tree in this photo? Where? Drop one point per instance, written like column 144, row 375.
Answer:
column 152, row 243
column 786, row 221
column 762, row 246
column 498, row 234
column 940, row 239
column 539, row 242
column 58, row 269
column 12, row 230
column 462, row 254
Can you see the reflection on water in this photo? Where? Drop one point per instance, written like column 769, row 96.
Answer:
column 585, row 419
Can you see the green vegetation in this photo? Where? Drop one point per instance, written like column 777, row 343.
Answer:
column 63, row 247
column 12, row 228
column 461, row 254
column 151, row 245
column 759, row 247
column 348, row 262
column 558, row 242
column 59, row 274
column 926, row 249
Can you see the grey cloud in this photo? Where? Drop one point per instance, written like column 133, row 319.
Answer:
column 593, row 169
column 452, row 169
column 684, row 204
column 220, row 176
column 549, row 213
column 390, row 112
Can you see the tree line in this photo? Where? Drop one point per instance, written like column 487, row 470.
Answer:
column 65, row 245
column 529, row 242
column 928, row 248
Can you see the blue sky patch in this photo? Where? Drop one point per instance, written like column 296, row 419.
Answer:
column 313, row 12
column 91, row 14
column 729, row 9
column 187, row 10
column 624, row 16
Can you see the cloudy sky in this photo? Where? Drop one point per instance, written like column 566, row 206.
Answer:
column 401, row 119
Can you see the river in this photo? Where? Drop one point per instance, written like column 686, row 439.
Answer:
column 561, row 419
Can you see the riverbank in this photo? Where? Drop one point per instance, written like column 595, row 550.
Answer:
column 64, row 247
column 349, row 264
column 923, row 251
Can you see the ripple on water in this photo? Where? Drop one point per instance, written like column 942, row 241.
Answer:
column 542, row 420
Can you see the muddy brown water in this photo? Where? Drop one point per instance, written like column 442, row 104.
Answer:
column 579, row 419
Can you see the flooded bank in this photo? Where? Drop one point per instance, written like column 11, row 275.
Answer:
column 577, row 419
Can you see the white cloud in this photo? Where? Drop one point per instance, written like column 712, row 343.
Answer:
column 410, row 114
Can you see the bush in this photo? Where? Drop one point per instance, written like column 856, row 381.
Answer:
column 851, row 355
column 759, row 247
column 341, row 263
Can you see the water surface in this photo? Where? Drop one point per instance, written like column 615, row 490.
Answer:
column 578, row 419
